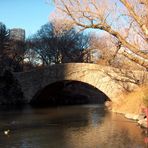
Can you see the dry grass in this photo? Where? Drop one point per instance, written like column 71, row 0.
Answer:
column 133, row 102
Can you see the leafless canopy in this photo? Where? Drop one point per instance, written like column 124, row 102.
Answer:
column 126, row 20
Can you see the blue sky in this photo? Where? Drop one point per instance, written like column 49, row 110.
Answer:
column 27, row 14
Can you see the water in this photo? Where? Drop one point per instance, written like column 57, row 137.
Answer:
column 87, row 126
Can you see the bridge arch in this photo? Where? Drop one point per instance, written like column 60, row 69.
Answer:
column 111, row 81
column 68, row 92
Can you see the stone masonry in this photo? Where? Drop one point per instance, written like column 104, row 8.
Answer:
column 111, row 81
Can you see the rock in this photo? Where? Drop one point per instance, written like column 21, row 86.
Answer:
column 136, row 117
column 108, row 104
column 141, row 119
column 143, row 122
column 131, row 116
column 141, row 116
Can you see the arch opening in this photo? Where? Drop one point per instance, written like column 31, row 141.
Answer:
column 68, row 92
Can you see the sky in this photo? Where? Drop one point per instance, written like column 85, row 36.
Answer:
column 26, row 14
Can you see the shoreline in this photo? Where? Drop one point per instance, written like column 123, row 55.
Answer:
column 141, row 118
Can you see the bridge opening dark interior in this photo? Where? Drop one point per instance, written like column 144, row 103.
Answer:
column 68, row 93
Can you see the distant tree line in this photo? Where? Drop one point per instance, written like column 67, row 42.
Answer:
column 47, row 46
column 59, row 42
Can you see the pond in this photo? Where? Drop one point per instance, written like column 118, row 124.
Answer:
column 79, row 126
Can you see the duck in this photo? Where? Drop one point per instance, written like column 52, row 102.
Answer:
column 6, row 132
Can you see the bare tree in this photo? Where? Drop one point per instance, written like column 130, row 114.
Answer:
column 126, row 20
column 17, row 51
column 104, row 49
column 11, row 51
column 56, row 43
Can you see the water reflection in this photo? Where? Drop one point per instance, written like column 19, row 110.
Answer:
column 88, row 126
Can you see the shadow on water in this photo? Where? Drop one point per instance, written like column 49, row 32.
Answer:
column 28, row 118
column 68, row 93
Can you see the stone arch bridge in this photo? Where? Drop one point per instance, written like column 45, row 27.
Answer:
column 111, row 81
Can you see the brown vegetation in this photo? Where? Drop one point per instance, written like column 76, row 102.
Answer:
column 132, row 102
